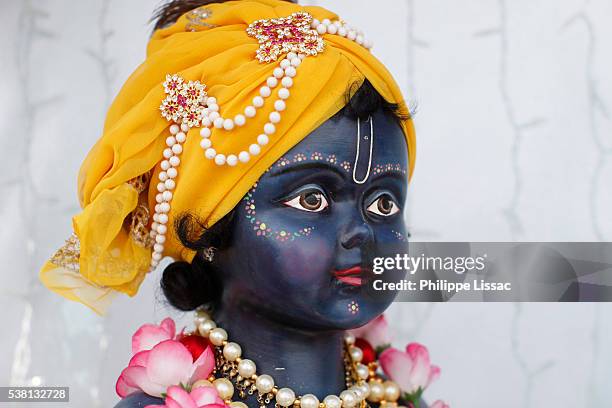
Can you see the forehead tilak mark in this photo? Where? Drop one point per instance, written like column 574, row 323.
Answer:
column 363, row 150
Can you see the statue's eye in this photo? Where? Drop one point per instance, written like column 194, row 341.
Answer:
column 309, row 200
column 385, row 206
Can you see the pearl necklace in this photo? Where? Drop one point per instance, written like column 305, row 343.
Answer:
column 236, row 373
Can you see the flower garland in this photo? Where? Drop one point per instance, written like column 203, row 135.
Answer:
column 203, row 369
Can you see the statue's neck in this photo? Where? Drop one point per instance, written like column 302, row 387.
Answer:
column 307, row 362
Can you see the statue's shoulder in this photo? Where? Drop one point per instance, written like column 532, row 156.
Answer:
column 138, row 400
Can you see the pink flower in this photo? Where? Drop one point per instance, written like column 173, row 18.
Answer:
column 375, row 332
column 439, row 404
column 159, row 362
column 199, row 397
column 411, row 370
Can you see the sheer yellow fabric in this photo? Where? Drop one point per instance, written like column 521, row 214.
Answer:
column 221, row 55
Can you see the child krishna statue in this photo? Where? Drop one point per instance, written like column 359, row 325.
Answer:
column 263, row 148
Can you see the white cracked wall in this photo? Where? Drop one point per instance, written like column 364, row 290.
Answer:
column 514, row 143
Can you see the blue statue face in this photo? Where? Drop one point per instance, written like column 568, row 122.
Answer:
column 299, row 236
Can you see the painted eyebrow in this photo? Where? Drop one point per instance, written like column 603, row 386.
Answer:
column 308, row 165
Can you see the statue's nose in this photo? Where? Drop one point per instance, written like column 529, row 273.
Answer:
column 356, row 234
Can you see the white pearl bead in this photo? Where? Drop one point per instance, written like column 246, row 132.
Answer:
column 291, row 72
column 377, row 391
column 265, row 91
column 167, row 195
column 244, row 157
column 174, row 129
column 217, row 336
column 326, row 21
column 162, row 229
column 211, row 100
column 275, row 117
column 205, row 143
column 205, row 132
column 250, row 111
column 362, row 371
column 213, row 107
column 205, row 327
column 220, row 159
column 167, row 153
column 359, row 39
column 154, row 262
column 177, row 149
column 278, row 72
column 365, row 389
column 156, row 256
column 291, row 56
column 232, row 160
column 357, row 392
column 285, row 63
column 210, row 153
column 172, row 172
column 349, row 339
column 160, row 239
column 161, row 187
column 287, row 82
column 246, row 368
column 367, row 43
column 349, row 399
column 170, row 141
column 164, row 208
column 262, row 140
column 332, row 401
column 240, row 120
column 342, row 31
column 159, row 197
column 280, row 105
column 315, row 23
column 283, row 93
column 184, row 127
column 224, row 387
column 264, row 383
column 332, row 29
column 163, row 176
column 174, row 161
column 258, row 101
column 156, row 217
column 269, row 129
column 338, row 23
column 321, row 29
column 296, row 62
column 392, row 391
column 254, row 149
column 356, row 354
column 165, row 165
column 228, row 124
column 309, row 401
column 285, row 397
column 231, row 351
column 170, row 184
column 158, row 248
column 206, row 122
column 351, row 35
column 181, row 137
column 219, row 122
column 272, row 82
column 214, row 116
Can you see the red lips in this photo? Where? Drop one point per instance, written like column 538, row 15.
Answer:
column 351, row 276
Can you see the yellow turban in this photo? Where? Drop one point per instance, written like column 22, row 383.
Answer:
column 108, row 252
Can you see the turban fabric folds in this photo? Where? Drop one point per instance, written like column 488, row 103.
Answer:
column 109, row 251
